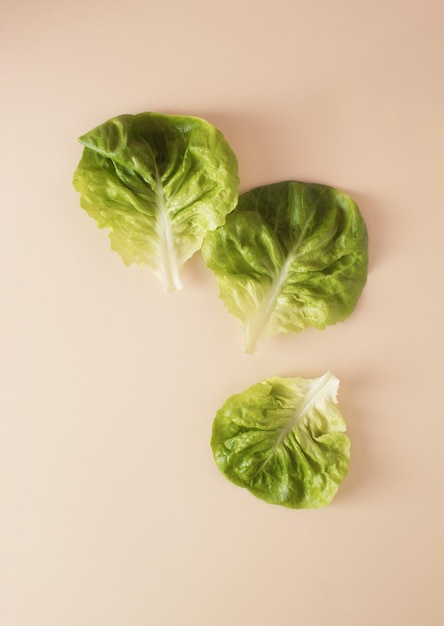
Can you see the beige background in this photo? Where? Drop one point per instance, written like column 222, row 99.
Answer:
column 112, row 510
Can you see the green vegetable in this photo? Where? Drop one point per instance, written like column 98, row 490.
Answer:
column 291, row 255
column 158, row 183
column 283, row 439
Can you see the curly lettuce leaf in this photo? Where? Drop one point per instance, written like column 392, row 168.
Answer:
column 284, row 440
column 291, row 255
column 158, row 183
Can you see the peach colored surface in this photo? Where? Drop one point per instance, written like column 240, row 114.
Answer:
column 112, row 510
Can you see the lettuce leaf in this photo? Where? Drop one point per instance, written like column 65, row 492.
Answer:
column 158, row 183
column 291, row 255
column 283, row 439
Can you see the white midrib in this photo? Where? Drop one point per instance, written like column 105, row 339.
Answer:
column 322, row 388
column 168, row 266
column 256, row 329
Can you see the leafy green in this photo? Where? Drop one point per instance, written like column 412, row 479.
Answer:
column 283, row 439
column 158, row 183
column 291, row 255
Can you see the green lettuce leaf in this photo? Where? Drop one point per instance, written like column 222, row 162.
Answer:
column 283, row 439
column 158, row 183
column 291, row 255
